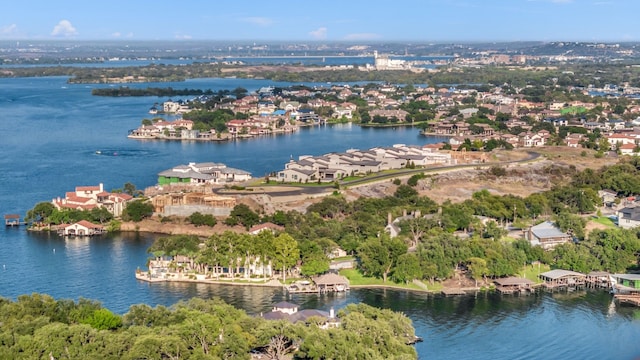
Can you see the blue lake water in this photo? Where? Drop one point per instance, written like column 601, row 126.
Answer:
column 49, row 133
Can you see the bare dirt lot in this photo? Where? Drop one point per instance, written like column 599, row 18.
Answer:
column 459, row 185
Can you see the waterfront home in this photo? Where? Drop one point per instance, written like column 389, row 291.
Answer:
column 202, row 173
column 400, row 115
column 334, row 166
column 89, row 197
column 81, row 228
column 292, row 313
column 179, row 106
column 559, row 278
column 546, row 235
column 629, row 217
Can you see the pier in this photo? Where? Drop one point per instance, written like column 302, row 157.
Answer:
column 453, row 292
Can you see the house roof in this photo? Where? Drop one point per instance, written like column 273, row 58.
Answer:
column 634, row 277
column 330, row 279
column 547, row 230
column 87, row 224
column 631, row 213
column 559, row 273
column 285, row 305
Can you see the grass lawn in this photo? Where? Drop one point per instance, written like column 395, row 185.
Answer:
column 357, row 279
column 531, row 272
column 604, row 221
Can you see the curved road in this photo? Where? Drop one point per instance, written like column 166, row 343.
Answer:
column 314, row 190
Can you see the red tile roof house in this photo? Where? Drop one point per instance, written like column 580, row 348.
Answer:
column 89, row 197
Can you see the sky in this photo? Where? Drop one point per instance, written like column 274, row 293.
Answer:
column 323, row 20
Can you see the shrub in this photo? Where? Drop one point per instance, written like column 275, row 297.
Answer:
column 199, row 219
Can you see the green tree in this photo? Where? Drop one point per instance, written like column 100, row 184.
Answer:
column 40, row 212
column 241, row 214
column 199, row 219
column 478, row 268
column 407, row 268
column 103, row 319
column 285, row 253
column 137, row 210
column 379, row 255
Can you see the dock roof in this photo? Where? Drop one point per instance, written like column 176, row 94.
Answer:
column 633, row 277
column 559, row 273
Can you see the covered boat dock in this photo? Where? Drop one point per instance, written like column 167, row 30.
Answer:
column 559, row 278
column 513, row 285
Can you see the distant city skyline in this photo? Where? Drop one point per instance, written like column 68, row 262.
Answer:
column 327, row 20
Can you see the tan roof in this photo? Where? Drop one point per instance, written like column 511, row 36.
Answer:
column 330, row 279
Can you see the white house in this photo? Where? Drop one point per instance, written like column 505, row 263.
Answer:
column 629, row 217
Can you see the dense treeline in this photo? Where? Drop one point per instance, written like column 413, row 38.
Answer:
column 149, row 91
column 579, row 75
column 39, row 327
column 429, row 246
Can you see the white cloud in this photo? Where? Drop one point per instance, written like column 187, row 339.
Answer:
column 257, row 20
column 319, row 33
column 64, row 28
column 362, row 36
column 9, row 30
column 182, row 37
column 118, row 34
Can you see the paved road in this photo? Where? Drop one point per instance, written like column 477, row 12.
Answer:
column 314, row 190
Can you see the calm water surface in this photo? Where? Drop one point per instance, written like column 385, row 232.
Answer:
column 49, row 133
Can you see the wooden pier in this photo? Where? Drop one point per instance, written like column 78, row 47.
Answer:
column 633, row 299
column 453, row 292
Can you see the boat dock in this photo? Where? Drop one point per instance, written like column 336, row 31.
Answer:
column 633, row 299
column 514, row 285
column 321, row 284
column 13, row 220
